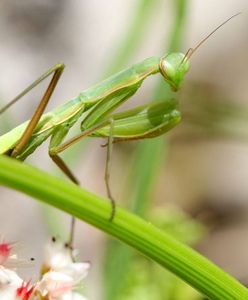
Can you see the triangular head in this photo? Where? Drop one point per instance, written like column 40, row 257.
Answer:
column 174, row 66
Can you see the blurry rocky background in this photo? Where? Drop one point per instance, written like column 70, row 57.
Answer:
column 200, row 184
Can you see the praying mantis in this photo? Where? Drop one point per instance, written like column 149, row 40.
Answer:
column 95, row 108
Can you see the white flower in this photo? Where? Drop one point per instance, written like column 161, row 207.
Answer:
column 12, row 287
column 58, row 286
column 55, row 284
column 8, row 277
column 60, row 258
column 61, row 275
column 57, row 255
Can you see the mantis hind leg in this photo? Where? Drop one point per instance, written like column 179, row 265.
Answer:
column 57, row 70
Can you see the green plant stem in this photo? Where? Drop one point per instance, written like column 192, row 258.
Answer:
column 130, row 229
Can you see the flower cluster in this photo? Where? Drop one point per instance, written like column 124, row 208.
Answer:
column 61, row 276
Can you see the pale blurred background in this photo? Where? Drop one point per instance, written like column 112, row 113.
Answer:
column 206, row 168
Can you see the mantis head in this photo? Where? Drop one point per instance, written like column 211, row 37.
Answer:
column 174, row 66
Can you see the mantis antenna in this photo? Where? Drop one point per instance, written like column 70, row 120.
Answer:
column 190, row 52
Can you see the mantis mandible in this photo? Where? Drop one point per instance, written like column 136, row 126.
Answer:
column 95, row 106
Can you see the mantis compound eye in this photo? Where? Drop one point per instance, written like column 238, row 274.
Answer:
column 174, row 67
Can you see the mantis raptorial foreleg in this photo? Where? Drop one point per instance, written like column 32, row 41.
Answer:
column 57, row 70
column 54, row 69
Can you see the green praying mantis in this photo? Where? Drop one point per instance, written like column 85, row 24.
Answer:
column 94, row 107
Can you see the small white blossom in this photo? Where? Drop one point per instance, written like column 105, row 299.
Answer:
column 55, row 284
column 57, row 255
column 61, row 275
column 9, row 277
column 12, row 287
